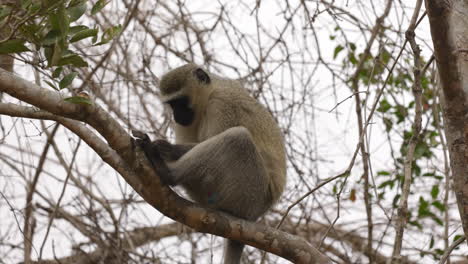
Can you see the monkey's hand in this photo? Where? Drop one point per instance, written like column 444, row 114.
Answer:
column 140, row 137
column 153, row 154
column 165, row 149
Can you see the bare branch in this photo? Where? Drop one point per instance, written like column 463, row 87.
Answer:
column 143, row 179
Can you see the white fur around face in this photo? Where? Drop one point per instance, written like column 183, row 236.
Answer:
column 167, row 97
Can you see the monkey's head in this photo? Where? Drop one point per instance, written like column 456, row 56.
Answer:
column 186, row 90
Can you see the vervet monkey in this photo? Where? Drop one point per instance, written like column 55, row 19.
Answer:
column 229, row 152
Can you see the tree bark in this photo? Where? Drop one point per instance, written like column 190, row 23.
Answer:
column 449, row 28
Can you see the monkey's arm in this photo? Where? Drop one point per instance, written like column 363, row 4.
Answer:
column 154, row 156
column 171, row 152
column 159, row 152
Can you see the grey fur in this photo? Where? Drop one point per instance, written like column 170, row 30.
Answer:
column 229, row 154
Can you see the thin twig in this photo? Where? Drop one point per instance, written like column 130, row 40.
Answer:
column 57, row 205
column 450, row 249
column 31, row 186
column 417, row 91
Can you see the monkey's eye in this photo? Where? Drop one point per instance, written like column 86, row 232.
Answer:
column 202, row 76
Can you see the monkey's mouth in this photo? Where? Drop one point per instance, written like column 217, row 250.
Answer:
column 183, row 113
column 184, row 116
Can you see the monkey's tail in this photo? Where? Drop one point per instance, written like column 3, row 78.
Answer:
column 233, row 252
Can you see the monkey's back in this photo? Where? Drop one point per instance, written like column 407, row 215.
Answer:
column 230, row 105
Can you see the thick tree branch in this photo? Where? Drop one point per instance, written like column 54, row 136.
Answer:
column 449, row 28
column 139, row 174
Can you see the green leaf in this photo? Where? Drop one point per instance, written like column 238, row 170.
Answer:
column 49, row 3
column 385, row 56
column 54, row 21
column 401, row 113
column 416, row 169
column 100, row 4
column 94, row 39
column 438, row 205
column 35, row 7
column 60, row 21
column 72, row 59
column 381, row 196
column 52, row 37
column 76, row 2
column 76, row 11
column 25, row 4
column 435, row 191
column 432, row 174
column 423, row 209
column 56, row 55
column 13, row 46
column 407, row 135
column 51, row 85
column 84, row 34
column 78, row 100
column 422, row 150
column 352, row 59
column 388, row 124
column 395, row 201
column 64, row 21
column 383, row 173
column 57, row 72
column 416, row 224
column 437, row 220
column 384, row 106
column 337, row 50
column 67, row 80
column 389, row 183
column 109, row 34
column 48, row 51
column 4, row 11
column 31, row 32
column 76, row 29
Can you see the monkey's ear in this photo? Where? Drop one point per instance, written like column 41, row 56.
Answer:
column 202, row 76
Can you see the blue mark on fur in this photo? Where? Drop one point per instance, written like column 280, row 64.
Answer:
column 212, row 198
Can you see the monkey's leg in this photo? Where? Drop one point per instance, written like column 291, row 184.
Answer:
column 226, row 172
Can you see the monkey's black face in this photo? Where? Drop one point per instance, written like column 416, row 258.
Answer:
column 183, row 113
